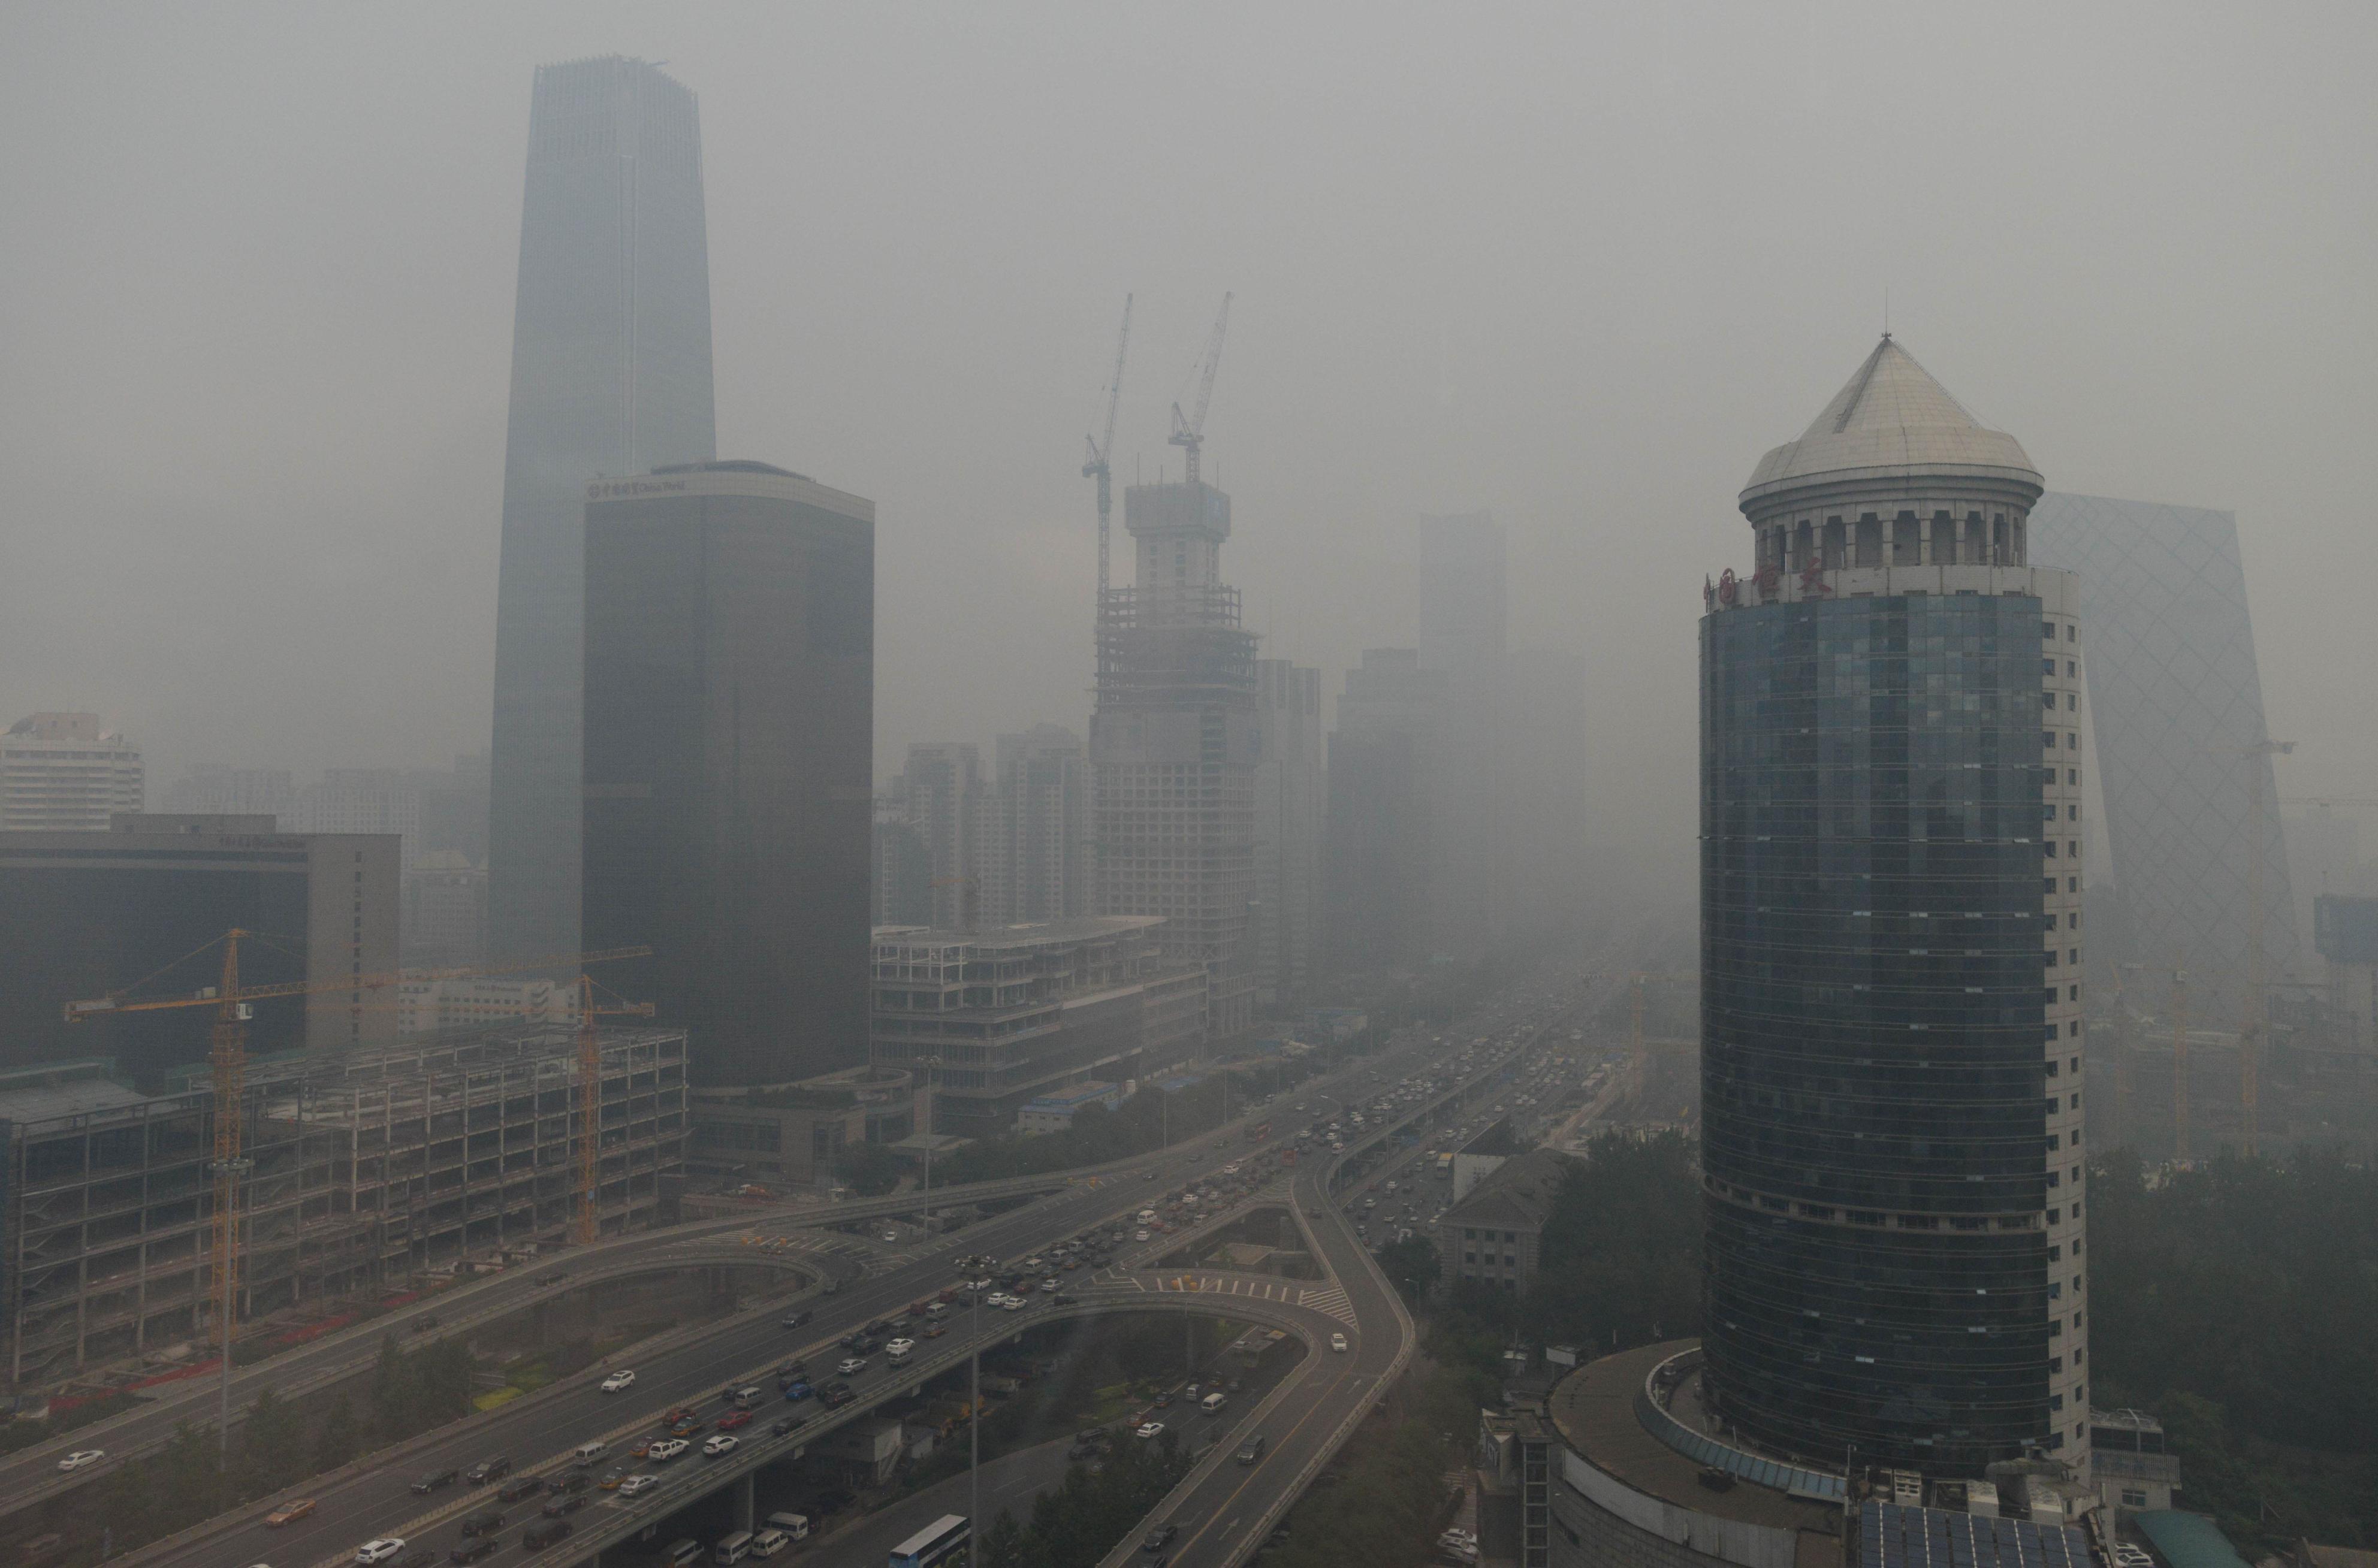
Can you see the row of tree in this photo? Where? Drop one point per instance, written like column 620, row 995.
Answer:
column 278, row 1445
column 1078, row 1522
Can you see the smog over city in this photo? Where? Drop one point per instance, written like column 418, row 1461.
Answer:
column 1447, row 605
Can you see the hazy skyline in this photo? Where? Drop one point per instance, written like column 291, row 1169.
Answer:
column 1580, row 269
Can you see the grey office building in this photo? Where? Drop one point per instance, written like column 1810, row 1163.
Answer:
column 610, row 376
column 1891, row 889
column 730, row 633
column 2175, row 703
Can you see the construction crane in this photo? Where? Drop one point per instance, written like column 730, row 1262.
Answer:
column 1189, row 432
column 1096, row 467
column 587, row 1226
column 234, row 1006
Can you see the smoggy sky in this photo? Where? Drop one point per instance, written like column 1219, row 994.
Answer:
column 1579, row 264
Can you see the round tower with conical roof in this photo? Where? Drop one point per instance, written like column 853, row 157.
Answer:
column 1890, row 894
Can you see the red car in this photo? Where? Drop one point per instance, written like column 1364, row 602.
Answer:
column 734, row 1418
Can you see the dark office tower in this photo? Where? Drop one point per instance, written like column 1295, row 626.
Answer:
column 730, row 634
column 1891, row 886
column 1172, row 745
column 1386, row 757
column 610, row 376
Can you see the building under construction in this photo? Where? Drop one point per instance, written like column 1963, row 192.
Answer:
column 1174, row 745
column 371, row 1169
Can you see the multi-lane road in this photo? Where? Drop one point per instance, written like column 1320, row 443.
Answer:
column 1224, row 1509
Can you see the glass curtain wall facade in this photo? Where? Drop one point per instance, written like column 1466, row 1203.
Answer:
column 1871, row 998
column 611, row 375
column 729, row 733
column 1890, row 887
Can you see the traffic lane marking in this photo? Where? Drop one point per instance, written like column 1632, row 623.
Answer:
column 1255, row 1472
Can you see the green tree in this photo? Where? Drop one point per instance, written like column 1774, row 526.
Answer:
column 390, row 1394
column 341, row 1439
column 188, row 1477
column 272, row 1448
column 871, row 1169
column 1412, row 1264
column 1004, row 1544
column 1622, row 1247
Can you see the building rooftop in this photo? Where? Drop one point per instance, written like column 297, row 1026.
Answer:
column 2187, row 1540
column 48, row 1091
column 1891, row 419
column 1594, row 1409
column 1518, row 1191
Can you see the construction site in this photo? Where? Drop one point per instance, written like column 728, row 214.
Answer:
column 364, row 1172
column 1175, row 735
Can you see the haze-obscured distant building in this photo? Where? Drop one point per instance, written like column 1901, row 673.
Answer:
column 445, row 911
column 2175, row 704
column 611, row 375
column 85, row 913
column 62, row 772
column 1033, row 838
column 1291, row 805
column 1380, row 858
column 1173, row 744
column 901, row 868
column 998, row 1017
column 730, row 724
column 361, row 800
column 211, row 789
column 942, row 781
column 1465, row 635
column 1891, row 950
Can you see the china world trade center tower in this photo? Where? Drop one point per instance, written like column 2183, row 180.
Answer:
column 610, row 378
column 1891, row 889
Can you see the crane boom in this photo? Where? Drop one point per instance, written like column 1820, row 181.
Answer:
column 123, row 1002
column 1189, row 432
column 1099, row 466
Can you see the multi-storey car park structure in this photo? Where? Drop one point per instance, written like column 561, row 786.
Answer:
column 1891, row 895
column 370, row 1167
column 995, row 1019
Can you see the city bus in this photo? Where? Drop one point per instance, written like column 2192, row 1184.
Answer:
column 937, row 1543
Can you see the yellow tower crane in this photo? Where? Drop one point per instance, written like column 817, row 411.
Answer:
column 234, row 1005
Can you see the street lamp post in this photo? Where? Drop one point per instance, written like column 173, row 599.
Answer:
column 974, row 1440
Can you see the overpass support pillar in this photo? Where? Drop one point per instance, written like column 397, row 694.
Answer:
column 746, row 1501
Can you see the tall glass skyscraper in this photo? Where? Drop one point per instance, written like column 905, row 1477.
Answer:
column 1891, row 889
column 610, row 378
column 730, row 727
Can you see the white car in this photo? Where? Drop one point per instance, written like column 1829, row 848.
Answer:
column 1015, row 1304
column 899, row 1348
column 1049, row 1284
column 891, row 1236
column 1139, row 1235
column 851, row 1366
column 379, row 1550
column 721, row 1445
column 82, row 1457
column 636, row 1486
column 1148, row 1429
column 619, row 1383
column 1337, row 1342
column 666, row 1449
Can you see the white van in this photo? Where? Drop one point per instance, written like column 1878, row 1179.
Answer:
column 732, row 1549
column 1212, row 1404
column 770, row 1541
column 587, row 1453
column 794, row 1526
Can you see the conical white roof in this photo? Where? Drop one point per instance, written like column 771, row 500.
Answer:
column 1892, row 419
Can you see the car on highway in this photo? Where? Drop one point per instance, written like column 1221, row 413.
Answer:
column 1148, row 1429
column 1251, row 1450
column 476, row 1551
column 488, row 1470
column 636, row 1486
column 720, row 1446
column 419, row 1557
column 734, row 1418
column 289, row 1512
column 788, row 1425
column 851, row 1366
column 380, row 1549
column 666, row 1449
column 1163, row 1397
column 836, row 1396
column 799, row 1389
column 619, row 1383
column 612, row 1480
column 560, row 1506
column 434, row 1479
column 1159, row 1537
column 537, row 1538
column 82, row 1457
column 519, row 1486
column 1337, row 1342
column 934, row 1331
column 486, row 1524
column 1139, row 1235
